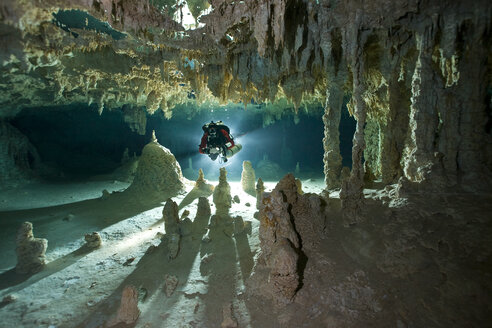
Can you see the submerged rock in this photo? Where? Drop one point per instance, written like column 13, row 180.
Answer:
column 93, row 240
column 30, row 251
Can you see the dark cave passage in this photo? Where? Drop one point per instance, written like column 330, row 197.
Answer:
column 76, row 142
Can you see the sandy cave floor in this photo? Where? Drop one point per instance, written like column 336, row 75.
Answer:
column 80, row 288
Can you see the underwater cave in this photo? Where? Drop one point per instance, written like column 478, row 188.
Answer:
column 266, row 163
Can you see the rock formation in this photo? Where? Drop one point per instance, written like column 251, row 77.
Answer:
column 203, row 209
column 222, row 195
column 260, row 188
column 201, row 189
column 158, row 175
column 93, row 240
column 172, row 238
column 170, row 215
column 248, row 178
column 279, row 242
column 30, row 251
column 128, row 311
column 170, row 284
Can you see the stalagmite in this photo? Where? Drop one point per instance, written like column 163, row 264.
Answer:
column 280, row 244
column 172, row 238
column 158, row 174
column 201, row 189
column 128, row 311
column 170, row 215
column 222, row 195
column 248, row 178
column 203, row 209
column 30, row 251
column 260, row 188
column 93, row 240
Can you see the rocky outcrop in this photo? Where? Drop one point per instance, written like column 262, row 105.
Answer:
column 158, row 175
column 30, row 251
column 248, row 178
column 222, row 195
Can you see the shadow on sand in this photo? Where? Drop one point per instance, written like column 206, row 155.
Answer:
column 11, row 278
column 148, row 277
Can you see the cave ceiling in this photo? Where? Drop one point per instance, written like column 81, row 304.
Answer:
column 114, row 53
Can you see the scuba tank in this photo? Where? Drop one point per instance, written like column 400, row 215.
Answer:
column 234, row 150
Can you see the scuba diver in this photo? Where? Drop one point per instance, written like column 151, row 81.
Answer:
column 217, row 140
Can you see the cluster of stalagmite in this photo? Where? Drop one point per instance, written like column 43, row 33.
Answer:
column 30, row 251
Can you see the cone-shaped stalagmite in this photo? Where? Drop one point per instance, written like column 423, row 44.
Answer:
column 158, row 174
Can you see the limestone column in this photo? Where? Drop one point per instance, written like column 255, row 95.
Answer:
column 394, row 131
column 351, row 193
column 331, row 141
column 423, row 118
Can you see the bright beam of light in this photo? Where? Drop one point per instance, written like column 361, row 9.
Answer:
column 134, row 240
